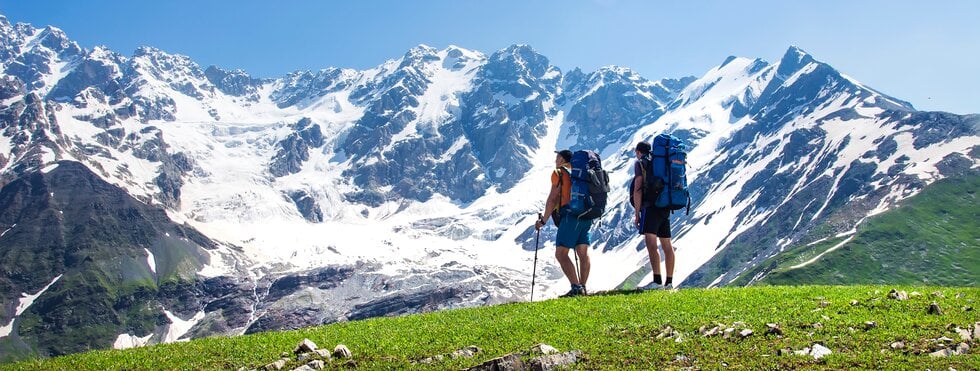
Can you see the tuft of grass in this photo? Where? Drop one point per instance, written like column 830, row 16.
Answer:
column 613, row 331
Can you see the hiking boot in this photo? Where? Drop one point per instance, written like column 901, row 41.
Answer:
column 582, row 290
column 575, row 291
column 651, row 286
column 669, row 286
column 570, row 293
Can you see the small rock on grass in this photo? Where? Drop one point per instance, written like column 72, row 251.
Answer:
column 728, row 333
column 542, row 349
column 817, row 351
column 711, row 332
column 305, row 346
column 965, row 335
column 508, row 362
column 963, row 348
column 898, row 295
column 341, row 351
column 277, row 365
column 773, row 329
column 935, row 309
column 555, row 360
column 467, row 352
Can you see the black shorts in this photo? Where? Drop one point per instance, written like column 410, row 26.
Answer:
column 655, row 220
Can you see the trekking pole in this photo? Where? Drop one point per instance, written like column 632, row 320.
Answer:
column 534, row 270
column 577, row 277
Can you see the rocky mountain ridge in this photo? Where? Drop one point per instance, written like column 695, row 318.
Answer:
column 342, row 194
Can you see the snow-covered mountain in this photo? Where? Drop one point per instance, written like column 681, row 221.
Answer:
column 343, row 194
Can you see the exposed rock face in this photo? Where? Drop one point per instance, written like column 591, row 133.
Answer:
column 307, row 206
column 32, row 129
column 236, row 83
column 90, row 242
column 295, row 149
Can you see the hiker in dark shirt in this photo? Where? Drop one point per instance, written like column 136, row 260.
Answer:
column 652, row 222
column 572, row 231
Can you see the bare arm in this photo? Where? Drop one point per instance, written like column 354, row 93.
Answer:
column 549, row 205
column 637, row 197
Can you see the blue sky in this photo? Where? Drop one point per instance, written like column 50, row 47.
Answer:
column 924, row 52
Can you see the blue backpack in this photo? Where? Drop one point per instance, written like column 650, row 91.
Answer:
column 590, row 185
column 668, row 161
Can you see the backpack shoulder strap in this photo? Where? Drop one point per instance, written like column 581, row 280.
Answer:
column 562, row 172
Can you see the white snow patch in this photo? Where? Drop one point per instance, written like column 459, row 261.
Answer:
column 126, row 341
column 835, row 247
column 49, row 168
column 8, row 230
column 150, row 260
column 179, row 327
column 25, row 301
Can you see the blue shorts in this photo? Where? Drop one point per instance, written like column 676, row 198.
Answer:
column 573, row 231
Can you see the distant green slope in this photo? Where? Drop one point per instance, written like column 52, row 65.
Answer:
column 614, row 332
column 933, row 239
column 69, row 223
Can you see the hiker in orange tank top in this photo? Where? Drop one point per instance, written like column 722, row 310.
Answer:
column 572, row 231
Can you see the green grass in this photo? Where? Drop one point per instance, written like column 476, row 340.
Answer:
column 933, row 239
column 613, row 331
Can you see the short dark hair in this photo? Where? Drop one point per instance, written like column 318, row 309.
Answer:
column 565, row 154
column 643, row 147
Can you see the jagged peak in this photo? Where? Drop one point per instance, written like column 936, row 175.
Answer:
column 155, row 53
column 518, row 51
column 728, row 60
column 236, row 72
column 421, row 52
column 155, row 56
column 419, row 55
column 103, row 52
column 25, row 28
column 523, row 56
column 147, row 50
column 793, row 60
column 619, row 72
column 55, row 31
column 421, row 49
column 454, row 51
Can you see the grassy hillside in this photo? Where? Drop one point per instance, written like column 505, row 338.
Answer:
column 933, row 239
column 615, row 331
